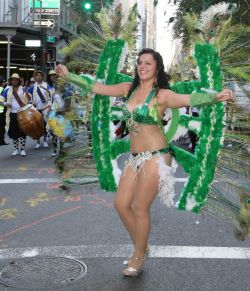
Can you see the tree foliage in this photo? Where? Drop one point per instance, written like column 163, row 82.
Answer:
column 242, row 15
column 232, row 40
column 112, row 22
column 82, row 16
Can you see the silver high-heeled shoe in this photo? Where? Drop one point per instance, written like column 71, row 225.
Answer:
column 133, row 272
column 126, row 262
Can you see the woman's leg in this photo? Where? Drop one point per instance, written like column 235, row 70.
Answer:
column 123, row 200
column 146, row 190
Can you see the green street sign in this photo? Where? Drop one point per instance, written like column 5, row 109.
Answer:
column 51, row 38
column 45, row 4
column 45, row 7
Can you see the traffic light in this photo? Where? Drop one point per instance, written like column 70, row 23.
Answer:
column 87, row 6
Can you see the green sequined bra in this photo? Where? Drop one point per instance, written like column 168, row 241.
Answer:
column 142, row 114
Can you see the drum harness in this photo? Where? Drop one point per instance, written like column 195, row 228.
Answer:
column 18, row 99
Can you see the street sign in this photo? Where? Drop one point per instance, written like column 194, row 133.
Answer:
column 45, row 7
column 45, row 3
column 50, row 23
column 51, row 38
column 32, row 42
column 45, row 11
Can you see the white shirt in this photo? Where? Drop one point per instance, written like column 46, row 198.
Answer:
column 36, row 98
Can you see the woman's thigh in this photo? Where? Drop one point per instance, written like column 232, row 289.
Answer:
column 126, row 187
column 147, row 183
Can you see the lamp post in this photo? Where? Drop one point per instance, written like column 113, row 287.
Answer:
column 43, row 40
column 8, row 55
column 8, row 33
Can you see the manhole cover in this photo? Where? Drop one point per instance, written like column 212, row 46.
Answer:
column 41, row 272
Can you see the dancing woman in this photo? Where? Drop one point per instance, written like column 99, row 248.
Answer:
column 148, row 96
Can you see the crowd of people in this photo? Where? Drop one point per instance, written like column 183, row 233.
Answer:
column 43, row 95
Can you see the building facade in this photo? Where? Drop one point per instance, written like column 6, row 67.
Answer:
column 166, row 45
column 19, row 22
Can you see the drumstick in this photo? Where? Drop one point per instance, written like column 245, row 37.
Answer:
column 47, row 90
column 18, row 99
column 26, row 91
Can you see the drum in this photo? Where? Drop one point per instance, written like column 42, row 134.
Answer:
column 30, row 121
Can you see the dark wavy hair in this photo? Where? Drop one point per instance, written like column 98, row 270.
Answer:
column 162, row 77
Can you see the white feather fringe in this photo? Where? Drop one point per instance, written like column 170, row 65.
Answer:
column 116, row 171
column 123, row 57
column 181, row 131
column 166, row 181
column 191, row 203
column 112, row 129
column 194, row 125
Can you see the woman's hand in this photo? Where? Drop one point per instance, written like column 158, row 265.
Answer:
column 225, row 95
column 62, row 71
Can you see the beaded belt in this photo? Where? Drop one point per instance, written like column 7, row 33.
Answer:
column 137, row 159
column 160, row 151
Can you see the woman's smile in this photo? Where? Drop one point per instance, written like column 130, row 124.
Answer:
column 146, row 66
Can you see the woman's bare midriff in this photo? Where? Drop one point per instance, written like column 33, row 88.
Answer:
column 148, row 138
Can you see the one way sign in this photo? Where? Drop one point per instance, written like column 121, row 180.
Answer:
column 45, row 22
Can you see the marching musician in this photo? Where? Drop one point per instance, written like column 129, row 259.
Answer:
column 3, row 110
column 40, row 96
column 13, row 98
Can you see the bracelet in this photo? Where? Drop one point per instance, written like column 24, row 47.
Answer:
column 82, row 81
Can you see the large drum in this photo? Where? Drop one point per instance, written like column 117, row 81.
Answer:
column 30, row 121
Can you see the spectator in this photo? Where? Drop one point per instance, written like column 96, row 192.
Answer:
column 3, row 110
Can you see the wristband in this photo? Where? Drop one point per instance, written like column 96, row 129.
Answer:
column 84, row 82
column 201, row 99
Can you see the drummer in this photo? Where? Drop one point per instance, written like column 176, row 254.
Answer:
column 15, row 98
column 40, row 96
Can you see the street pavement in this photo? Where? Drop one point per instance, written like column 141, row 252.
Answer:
column 37, row 218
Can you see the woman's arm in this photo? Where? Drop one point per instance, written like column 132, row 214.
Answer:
column 117, row 90
column 92, row 86
column 171, row 99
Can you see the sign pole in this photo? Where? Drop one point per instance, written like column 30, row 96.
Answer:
column 43, row 44
column 43, row 50
column 8, row 56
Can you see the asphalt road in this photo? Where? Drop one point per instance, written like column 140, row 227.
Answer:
column 37, row 218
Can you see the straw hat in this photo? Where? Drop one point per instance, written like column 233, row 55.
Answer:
column 52, row 72
column 15, row 76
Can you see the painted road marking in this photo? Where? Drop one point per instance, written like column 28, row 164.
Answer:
column 46, row 180
column 55, row 180
column 123, row 251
